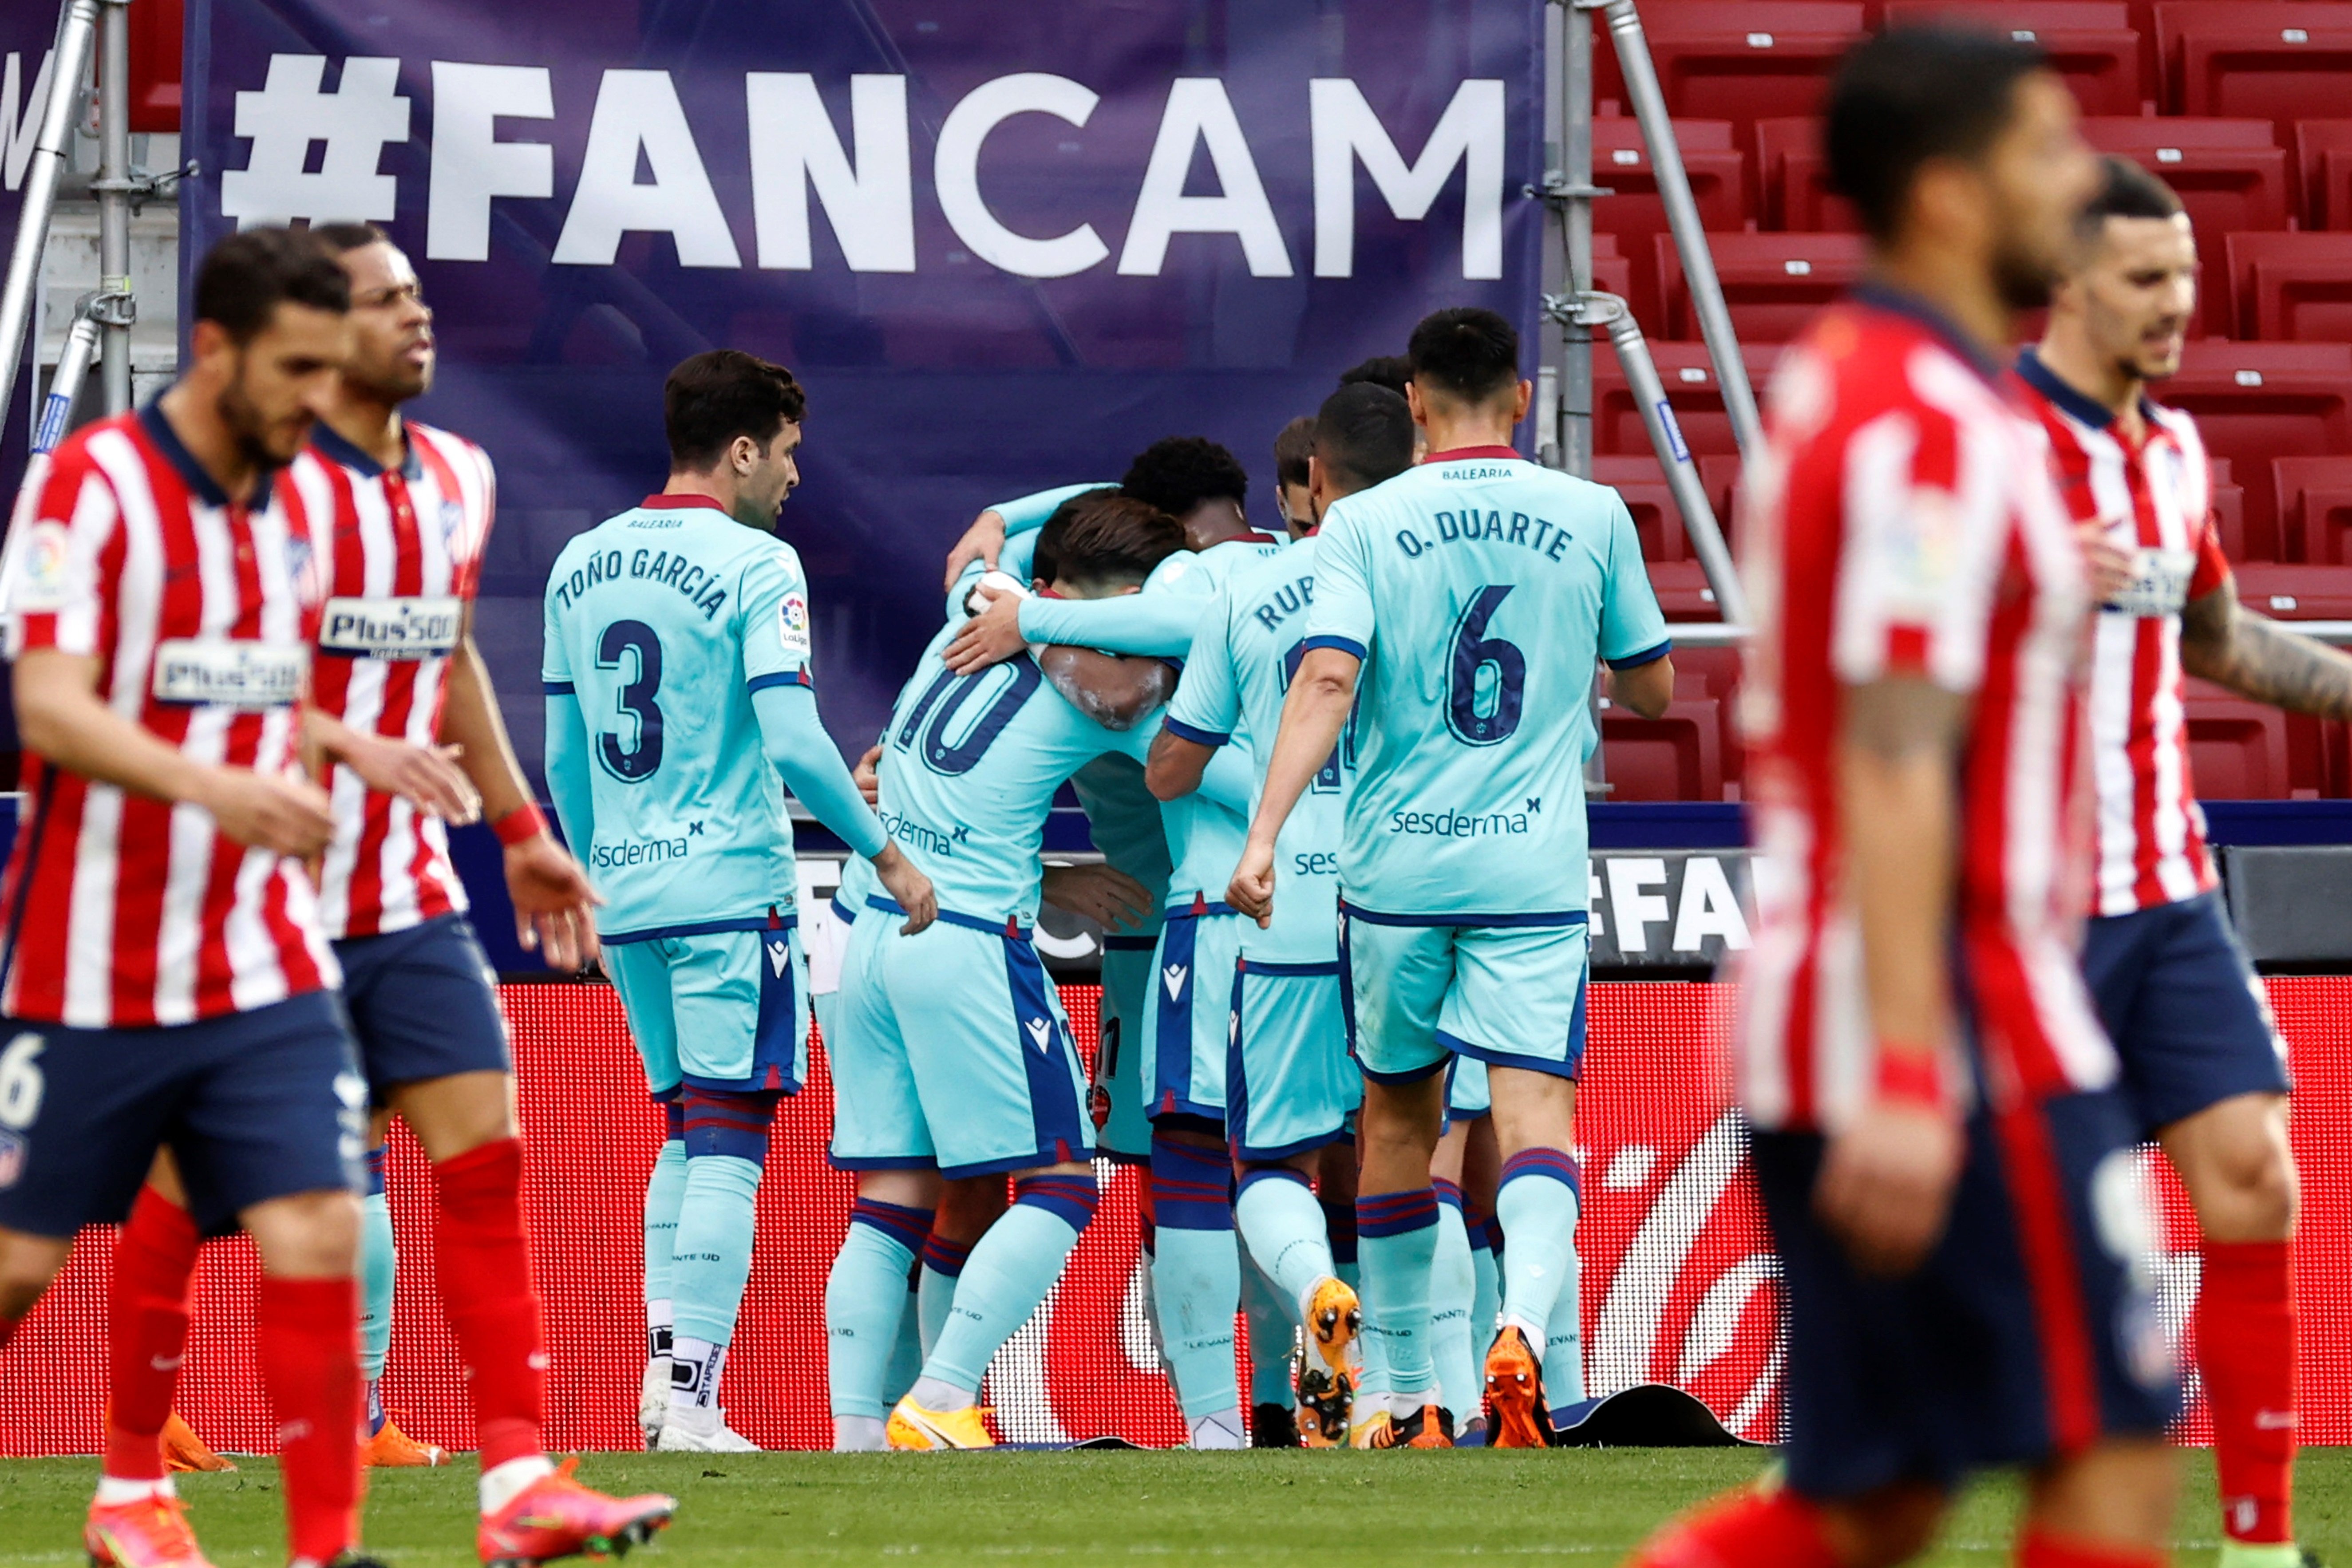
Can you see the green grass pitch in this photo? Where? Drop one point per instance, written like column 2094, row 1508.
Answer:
column 1274, row 1508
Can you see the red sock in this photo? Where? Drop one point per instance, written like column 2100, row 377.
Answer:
column 147, row 1330
column 8, row 1331
column 2245, row 1344
column 1748, row 1528
column 484, row 1265
column 2035, row 1548
column 308, row 1335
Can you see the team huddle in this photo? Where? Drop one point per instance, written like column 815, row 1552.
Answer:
column 1338, row 780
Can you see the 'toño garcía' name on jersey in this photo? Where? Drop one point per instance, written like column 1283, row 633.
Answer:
column 670, row 569
column 1468, row 527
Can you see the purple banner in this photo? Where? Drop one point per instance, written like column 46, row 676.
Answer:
column 1005, row 243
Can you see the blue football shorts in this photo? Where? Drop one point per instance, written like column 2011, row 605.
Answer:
column 1420, row 993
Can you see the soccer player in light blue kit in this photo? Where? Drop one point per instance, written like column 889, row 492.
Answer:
column 956, row 1060
column 1195, row 1266
column 1289, row 1087
column 1469, row 599
column 679, row 707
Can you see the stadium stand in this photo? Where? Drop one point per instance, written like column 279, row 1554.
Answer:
column 2095, row 46
column 1676, row 756
column 2282, row 61
column 1792, row 183
column 2323, row 157
column 1774, row 283
column 1634, row 214
column 2289, row 288
column 1741, row 60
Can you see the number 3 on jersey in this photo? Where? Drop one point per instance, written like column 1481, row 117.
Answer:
column 1488, row 678
column 632, row 753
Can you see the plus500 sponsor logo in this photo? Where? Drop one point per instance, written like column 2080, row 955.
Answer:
column 405, row 627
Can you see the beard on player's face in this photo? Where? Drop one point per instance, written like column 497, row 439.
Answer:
column 265, row 440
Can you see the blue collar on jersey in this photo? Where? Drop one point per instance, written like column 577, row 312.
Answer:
column 331, row 442
column 201, row 484
column 2083, row 410
column 1903, row 303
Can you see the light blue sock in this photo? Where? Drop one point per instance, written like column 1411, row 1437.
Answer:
column 1488, row 1299
column 1011, row 1269
column 665, row 1190
column 1563, row 1353
column 1535, row 1205
column 1273, row 1335
column 906, row 1355
column 1396, row 1240
column 865, row 1296
column 1196, row 1278
column 1369, row 1344
column 943, row 1262
column 379, row 1269
column 1196, row 1273
column 711, row 1257
column 1452, row 1288
column 1283, row 1226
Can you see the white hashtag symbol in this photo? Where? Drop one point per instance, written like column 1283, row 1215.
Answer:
column 289, row 113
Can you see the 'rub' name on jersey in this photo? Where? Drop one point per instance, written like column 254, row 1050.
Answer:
column 673, row 571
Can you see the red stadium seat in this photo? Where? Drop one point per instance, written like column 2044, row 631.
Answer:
column 1677, row 756
column 1657, row 521
column 1774, row 283
column 2093, row 46
column 2322, row 156
column 1691, row 393
column 2282, row 61
column 1740, row 60
column 2237, row 750
column 2229, row 510
column 2291, row 288
column 1793, row 179
column 2315, row 503
column 2255, row 402
column 1620, row 163
column 2231, row 174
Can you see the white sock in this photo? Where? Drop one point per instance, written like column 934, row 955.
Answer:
column 934, row 1394
column 657, row 1327
column 858, row 1435
column 113, row 1491
column 694, row 1366
column 1221, row 1430
column 502, row 1484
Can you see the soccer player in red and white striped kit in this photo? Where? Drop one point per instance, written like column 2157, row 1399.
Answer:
column 2203, row 1063
column 166, row 980
column 402, row 713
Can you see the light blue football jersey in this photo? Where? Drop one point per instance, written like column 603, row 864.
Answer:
column 969, row 764
column 1249, row 646
column 1479, row 592
column 1205, row 838
column 663, row 621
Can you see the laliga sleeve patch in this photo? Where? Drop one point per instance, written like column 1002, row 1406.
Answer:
column 792, row 625
column 45, row 577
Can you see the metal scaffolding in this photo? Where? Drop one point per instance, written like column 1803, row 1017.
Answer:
column 1565, row 428
column 103, row 319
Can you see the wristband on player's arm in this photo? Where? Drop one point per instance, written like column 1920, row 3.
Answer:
column 1911, row 1074
column 520, row 826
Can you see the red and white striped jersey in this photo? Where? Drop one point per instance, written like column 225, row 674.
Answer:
column 125, row 911
column 1901, row 523
column 407, row 557
column 2157, row 497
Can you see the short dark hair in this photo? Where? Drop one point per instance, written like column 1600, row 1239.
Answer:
column 342, row 238
column 720, row 394
column 1293, row 445
column 1364, row 434
column 1391, row 371
column 1105, row 536
column 1912, row 95
column 1180, row 472
column 1466, row 353
column 2128, row 190
column 245, row 278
